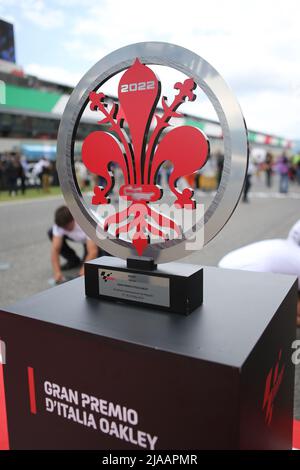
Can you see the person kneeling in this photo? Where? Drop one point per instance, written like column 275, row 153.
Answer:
column 65, row 228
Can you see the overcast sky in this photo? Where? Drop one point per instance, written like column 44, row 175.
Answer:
column 253, row 44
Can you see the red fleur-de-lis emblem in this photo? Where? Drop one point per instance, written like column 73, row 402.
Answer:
column 140, row 153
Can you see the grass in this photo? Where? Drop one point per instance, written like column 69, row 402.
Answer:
column 31, row 193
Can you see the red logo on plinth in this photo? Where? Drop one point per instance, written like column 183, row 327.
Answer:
column 273, row 382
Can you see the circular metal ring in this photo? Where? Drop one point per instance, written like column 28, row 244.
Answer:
column 231, row 121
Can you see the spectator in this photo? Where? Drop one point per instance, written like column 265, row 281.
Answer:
column 220, row 164
column 65, row 228
column 81, row 174
column 12, row 174
column 55, row 180
column 283, row 170
column 1, row 173
column 275, row 256
column 248, row 182
column 39, row 171
column 268, row 166
column 45, row 175
column 23, row 172
column 296, row 163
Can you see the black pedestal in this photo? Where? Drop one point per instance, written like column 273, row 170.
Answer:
column 89, row 374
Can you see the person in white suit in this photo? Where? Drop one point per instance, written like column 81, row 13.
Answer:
column 275, row 256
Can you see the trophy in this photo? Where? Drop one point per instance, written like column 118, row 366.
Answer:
column 125, row 372
column 140, row 138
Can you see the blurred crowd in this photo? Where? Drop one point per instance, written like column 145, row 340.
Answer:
column 286, row 167
column 17, row 174
column 263, row 165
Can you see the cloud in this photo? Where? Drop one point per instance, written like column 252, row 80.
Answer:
column 37, row 12
column 88, row 53
column 254, row 45
column 274, row 113
column 53, row 74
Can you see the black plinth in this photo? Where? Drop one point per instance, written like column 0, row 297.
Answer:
column 90, row 374
column 173, row 287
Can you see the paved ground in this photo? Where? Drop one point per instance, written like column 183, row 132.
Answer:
column 25, row 248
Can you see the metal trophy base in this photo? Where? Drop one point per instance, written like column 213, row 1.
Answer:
column 174, row 287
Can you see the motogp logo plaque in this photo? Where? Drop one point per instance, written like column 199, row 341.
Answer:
column 140, row 138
